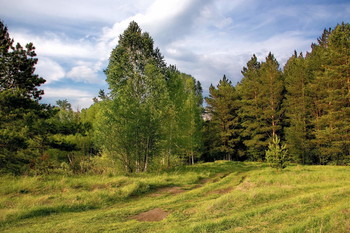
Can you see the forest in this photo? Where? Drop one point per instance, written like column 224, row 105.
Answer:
column 153, row 117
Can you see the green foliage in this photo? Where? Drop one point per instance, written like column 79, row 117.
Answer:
column 223, row 105
column 151, row 119
column 261, row 91
column 277, row 154
column 298, row 108
column 153, row 110
column 332, row 84
column 17, row 66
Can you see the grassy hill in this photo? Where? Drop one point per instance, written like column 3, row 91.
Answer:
column 211, row 197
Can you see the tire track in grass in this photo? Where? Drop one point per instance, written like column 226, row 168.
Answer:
column 238, row 219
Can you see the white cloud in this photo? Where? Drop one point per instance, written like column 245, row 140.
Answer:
column 205, row 38
column 78, row 98
column 66, row 92
column 73, row 10
column 86, row 72
column 208, row 58
column 165, row 20
column 55, row 45
column 49, row 70
column 83, row 73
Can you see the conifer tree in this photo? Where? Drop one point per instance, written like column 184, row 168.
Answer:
column 223, row 105
column 20, row 112
column 17, row 66
column 330, row 94
column 297, row 106
column 261, row 91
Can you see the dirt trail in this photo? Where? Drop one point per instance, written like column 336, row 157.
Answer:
column 167, row 190
column 154, row 215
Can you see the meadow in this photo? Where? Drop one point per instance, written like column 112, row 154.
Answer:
column 210, row 197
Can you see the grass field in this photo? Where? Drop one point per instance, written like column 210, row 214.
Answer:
column 211, row 197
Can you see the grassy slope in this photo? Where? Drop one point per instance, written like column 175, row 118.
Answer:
column 235, row 197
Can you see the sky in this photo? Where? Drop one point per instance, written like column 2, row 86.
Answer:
column 204, row 38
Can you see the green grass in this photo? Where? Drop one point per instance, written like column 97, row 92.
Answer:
column 217, row 197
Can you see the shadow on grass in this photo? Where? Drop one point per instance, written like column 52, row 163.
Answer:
column 46, row 211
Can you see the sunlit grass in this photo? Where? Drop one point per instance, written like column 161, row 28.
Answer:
column 216, row 197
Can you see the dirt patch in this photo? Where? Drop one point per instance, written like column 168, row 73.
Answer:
column 154, row 215
column 221, row 191
column 345, row 211
column 168, row 190
column 204, row 181
column 214, row 179
column 246, row 186
column 196, row 186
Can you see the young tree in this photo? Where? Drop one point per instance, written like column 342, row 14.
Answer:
column 190, row 119
column 277, row 154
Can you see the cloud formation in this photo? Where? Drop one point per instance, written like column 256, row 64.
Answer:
column 50, row 70
column 78, row 98
column 204, row 38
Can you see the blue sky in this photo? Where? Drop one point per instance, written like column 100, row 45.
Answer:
column 204, row 38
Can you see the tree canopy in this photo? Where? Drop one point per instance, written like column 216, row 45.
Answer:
column 152, row 117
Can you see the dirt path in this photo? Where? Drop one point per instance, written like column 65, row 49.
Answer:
column 154, row 215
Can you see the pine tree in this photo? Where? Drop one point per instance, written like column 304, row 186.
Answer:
column 277, row 154
column 297, row 106
column 223, row 105
column 20, row 112
column 272, row 94
column 17, row 66
column 261, row 91
column 251, row 109
column 331, row 95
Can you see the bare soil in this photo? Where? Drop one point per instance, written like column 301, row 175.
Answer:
column 154, row 215
column 167, row 190
column 221, row 191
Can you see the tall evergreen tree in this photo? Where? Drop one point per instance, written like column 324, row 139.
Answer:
column 261, row 91
column 20, row 113
column 223, row 105
column 17, row 66
column 251, row 109
column 330, row 93
column 272, row 95
column 297, row 105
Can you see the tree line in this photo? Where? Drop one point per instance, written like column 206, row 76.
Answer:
column 152, row 116
column 306, row 105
